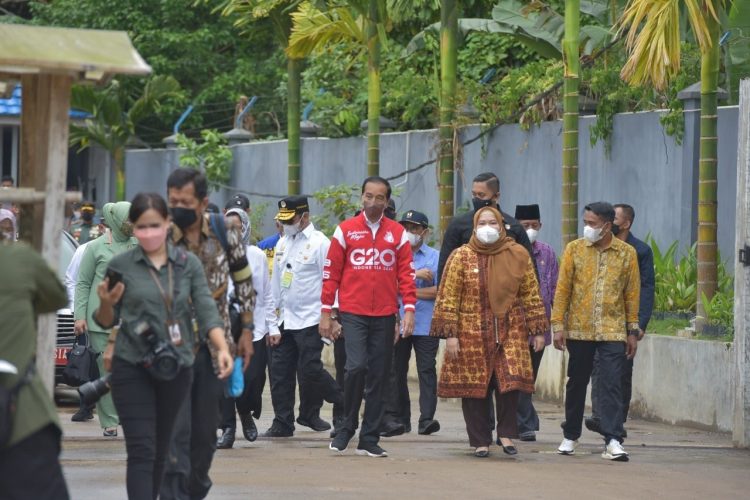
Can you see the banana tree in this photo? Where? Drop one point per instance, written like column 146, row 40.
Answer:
column 114, row 116
column 653, row 43
column 247, row 13
column 360, row 23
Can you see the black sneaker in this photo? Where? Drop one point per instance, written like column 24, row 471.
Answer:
column 341, row 441
column 429, row 427
column 337, row 421
column 277, row 431
column 371, row 450
column 390, row 429
column 315, row 423
column 593, row 424
column 82, row 415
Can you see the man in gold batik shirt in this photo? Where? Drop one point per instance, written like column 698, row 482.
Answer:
column 596, row 313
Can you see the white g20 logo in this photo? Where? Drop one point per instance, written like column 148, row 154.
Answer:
column 372, row 257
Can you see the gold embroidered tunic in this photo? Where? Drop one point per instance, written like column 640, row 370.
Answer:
column 487, row 345
column 598, row 292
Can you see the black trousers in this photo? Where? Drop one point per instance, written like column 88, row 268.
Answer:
column 627, row 388
column 528, row 420
column 299, row 352
column 194, row 439
column 339, row 361
column 477, row 415
column 398, row 403
column 147, row 408
column 580, row 365
column 251, row 399
column 369, row 348
column 31, row 468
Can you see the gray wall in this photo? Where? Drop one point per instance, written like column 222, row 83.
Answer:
column 645, row 168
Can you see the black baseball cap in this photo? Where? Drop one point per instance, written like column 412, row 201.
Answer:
column 291, row 206
column 238, row 201
column 415, row 218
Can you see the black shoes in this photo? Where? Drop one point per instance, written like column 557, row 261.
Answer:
column 226, row 441
column 337, row 421
column 277, row 431
column 428, row 427
column 390, row 429
column 508, row 450
column 248, row 427
column 82, row 415
column 341, row 441
column 593, row 424
column 482, row 452
column 315, row 423
column 370, row 450
column 527, row 436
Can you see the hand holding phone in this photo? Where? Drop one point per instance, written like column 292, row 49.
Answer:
column 114, row 278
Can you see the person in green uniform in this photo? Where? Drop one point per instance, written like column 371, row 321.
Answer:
column 86, row 229
column 93, row 265
column 29, row 461
column 162, row 286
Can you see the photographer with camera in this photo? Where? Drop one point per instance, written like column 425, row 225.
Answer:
column 153, row 291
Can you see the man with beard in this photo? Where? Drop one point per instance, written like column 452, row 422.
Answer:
column 369, row 264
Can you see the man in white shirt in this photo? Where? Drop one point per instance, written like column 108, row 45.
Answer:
column 297, row 280
column 249, row 403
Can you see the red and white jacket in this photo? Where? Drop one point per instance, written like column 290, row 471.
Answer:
column 369, row 272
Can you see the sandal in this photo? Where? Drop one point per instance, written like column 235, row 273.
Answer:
column 111, row 432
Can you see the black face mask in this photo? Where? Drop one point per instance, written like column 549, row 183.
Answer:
column 183, row 217
column 615, row 229
column 87, row 216
column 481, row 203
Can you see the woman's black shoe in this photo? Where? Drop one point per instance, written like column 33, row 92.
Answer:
column 482, row 453
column 508, row 450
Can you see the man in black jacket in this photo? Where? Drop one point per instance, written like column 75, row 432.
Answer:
column 485, row 191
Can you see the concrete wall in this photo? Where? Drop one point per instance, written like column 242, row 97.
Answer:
column 645, row 168
column 675, row 380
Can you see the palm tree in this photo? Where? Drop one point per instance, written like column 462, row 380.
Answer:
column 654, row 58
column 570, row 122
column 114, row 116
column 448, row 63
column 247, row 13
column 359, row 22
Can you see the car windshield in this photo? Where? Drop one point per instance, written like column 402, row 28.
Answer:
column 68, row 247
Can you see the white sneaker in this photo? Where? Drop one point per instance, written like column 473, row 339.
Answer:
column 615, row 451
column 567, row 447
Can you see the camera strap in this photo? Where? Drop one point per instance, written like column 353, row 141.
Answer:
column 172, row 326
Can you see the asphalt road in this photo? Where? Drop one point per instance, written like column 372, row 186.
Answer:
column 666, row 462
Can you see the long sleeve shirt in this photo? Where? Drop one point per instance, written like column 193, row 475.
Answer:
column 598, row 292
column 648, row 281
column 297, row 277
column 71, row 274
column 548, row 269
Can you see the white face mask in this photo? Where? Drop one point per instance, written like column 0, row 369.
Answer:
column 488, row 235
column 414, row 239
column 532, row 234
column 592, row 234
column 291, row 229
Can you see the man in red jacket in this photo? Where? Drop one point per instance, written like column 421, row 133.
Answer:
column 369, row 264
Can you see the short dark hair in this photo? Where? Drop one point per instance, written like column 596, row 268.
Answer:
column 490, row 179
column 376, row 179
column 145, row 201
column 627, row 210
column 602, row 209
column 183, row 176
column 8, row 178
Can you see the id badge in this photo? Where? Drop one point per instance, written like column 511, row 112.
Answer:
column 286, row 279
column 174, row 333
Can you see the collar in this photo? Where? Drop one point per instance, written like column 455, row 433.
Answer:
column 140, row 255
column 307, row 232
column 178, row 235
column 372, row 224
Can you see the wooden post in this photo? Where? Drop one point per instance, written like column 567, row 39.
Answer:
column 741, row 427
column 44, row 165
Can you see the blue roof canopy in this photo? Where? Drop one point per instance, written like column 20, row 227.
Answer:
column 12, row 106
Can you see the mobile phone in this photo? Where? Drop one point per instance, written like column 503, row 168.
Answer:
column 114, row 278
column 326, row 341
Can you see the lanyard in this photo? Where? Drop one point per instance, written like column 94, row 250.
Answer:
column 166, row 297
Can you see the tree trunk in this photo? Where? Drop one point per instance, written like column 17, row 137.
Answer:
column 448, row 58
column 118, row 157
column 570, row 123
column 294, row 71
column 373, row 90
column 707, row 181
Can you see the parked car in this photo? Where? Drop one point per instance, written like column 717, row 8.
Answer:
column 65, row 334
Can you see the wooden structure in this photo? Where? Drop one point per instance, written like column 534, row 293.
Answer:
column 47, row 61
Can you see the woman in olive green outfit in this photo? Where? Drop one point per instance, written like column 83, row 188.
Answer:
column 93, row 266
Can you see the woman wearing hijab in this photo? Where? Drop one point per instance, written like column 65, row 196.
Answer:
column 487, row 307
column 93, row 267
column 8, row 229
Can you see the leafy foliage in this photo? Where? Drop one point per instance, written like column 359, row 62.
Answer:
column 212, row 155
column 339, row 202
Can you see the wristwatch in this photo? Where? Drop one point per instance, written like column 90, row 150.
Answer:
column 249, row 326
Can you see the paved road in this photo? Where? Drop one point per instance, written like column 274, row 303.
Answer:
column 666, row 462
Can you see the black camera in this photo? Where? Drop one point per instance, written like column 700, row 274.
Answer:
column 162, row 360
column 91, row 392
